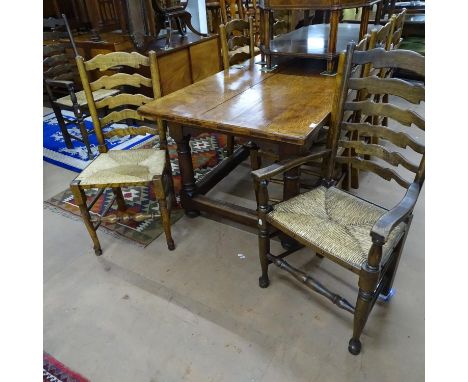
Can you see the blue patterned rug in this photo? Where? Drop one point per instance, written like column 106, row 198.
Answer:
column 76, row 159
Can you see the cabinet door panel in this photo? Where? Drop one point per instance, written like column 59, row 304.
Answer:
column 174, row 69
column 205, row 58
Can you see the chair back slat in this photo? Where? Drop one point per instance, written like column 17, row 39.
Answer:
column 238, row 42
column 399, row 138
column 123, row 99
column 370, row 108
column 392, row 157
column 58, row 64
column 119, row 79
column 55, row 71
column 49, row 50
column 117, row 116
column 398, row 29
column 236, row 25
column 403, row 59
column 122, row 132
column 53, row 23
column 57, row 59
column 54, row 36
column 104, row 62
column 236, row 35
column 384, row 172
column 414, row 93
column 381, row 38
column 68, row 76
column 364, row 151
column 121, row 107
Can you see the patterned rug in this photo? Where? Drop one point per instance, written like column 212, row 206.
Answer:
column 76, row 159
column 207, row 152
column 55, row 371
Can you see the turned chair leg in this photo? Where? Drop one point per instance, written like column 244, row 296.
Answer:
column 363, row 305
column 165, row 215
column 264, row 249
column 170, row 181
column 80, row 199
column 255, row 159
column 63, row 126
column 120, row 198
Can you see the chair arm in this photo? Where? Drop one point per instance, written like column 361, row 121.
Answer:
column 286, row 165
column 384, row 226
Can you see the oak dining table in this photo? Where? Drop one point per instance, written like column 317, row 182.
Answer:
column 286, row 107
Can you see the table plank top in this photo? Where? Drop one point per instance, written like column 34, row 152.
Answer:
column 313, row 40
column 286, row 105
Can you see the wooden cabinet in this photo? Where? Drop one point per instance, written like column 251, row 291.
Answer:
column 191, row 59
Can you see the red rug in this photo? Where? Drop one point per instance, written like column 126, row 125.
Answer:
column 55, row 371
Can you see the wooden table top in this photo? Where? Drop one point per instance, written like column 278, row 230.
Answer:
column 286, row 105
column 315, row 4
column 312, row 40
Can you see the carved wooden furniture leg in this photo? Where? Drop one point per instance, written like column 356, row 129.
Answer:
column 261, row 31
column 230, row 145
column 184, row 154
column 119, row 198
column 179, row 26
column 80, row 122
column 165, row 215
column 80, row 198
column 364, row 22
column 187, row 18
column 378, row 13
column 334, row 20
column 263, row 232
column 267, row 33
column 162, row 129
column 291, row 186
column 63, row 127
column 368, row 281
column 255, row 158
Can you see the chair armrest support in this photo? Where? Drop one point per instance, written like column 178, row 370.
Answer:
column 384, row 226
column 283, row 166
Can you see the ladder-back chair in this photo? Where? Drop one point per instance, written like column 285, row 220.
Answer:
column 60, row 78
column 359, row 235
column 237, row 47
column 123, row 168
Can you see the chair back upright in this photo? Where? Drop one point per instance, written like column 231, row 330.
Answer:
column 121, row 106
column 397, row 30
column 233, row 45
column 380, row 159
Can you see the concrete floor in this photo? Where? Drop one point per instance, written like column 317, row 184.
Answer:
column 197, row 314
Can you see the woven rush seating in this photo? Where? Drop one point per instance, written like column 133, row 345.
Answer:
column 335, row 222
column 81, row 97
column 123, row 167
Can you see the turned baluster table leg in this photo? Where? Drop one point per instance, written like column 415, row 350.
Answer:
column 364, row 22
column 291, row 185
column 184, row 154
column 334, row 20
